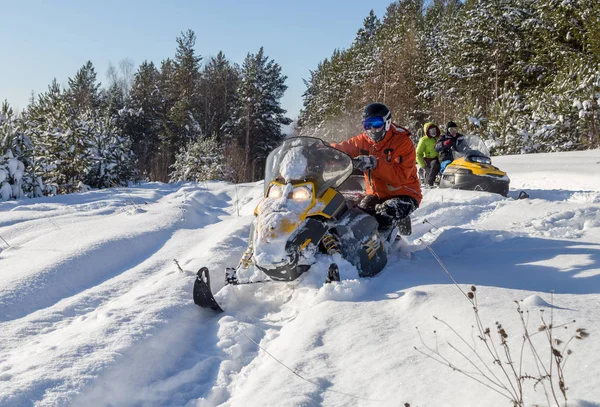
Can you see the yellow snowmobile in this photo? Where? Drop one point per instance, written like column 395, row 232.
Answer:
column 472, row 169
column 301, row 214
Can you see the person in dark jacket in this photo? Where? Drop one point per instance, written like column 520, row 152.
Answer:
column 447, row 144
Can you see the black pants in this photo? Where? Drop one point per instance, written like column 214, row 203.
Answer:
column 432, row 169
column 405, row 204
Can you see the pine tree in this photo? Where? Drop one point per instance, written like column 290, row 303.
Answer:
column 83, row 92
column 566, row 111
column 76, row 148
column 113, row 100
column 402, row 64
column 522, row 73
column 218, row 88
column 330, row 109
column 364, row 57
column 17, row 158
column 111, row 160
column 201, row 160
column 180, row 108
column 143, row 119
column 168, row 131
column 508, row 126
column 257, row 116
column 494, row 50
column 434, row 90
column 186, row 85
column 58, row 142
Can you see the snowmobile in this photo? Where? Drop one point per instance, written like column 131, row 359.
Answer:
column 472, row 169
column 303, row 213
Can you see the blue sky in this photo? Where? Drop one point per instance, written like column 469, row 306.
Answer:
column 42, row 40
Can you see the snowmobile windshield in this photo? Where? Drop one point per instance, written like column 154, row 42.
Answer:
column 471, row 146
column 307, row 159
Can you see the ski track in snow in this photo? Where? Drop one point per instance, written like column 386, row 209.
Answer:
column 93, row 310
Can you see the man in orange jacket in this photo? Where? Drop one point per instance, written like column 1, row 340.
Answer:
column 386, row 155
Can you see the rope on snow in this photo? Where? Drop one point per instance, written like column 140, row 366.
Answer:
column 295, row 372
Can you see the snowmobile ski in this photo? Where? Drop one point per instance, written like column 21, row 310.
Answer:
column 203, row 297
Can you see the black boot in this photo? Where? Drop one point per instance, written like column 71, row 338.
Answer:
column 333, row 274
column 404, row 226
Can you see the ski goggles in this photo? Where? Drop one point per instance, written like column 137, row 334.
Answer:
column 376, row 122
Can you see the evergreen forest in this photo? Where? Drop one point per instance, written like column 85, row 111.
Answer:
column 522, row 74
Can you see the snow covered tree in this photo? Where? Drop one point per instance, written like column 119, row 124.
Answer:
column 402, row 60
column 326, row 90
column 566, row 111
column 76, row 147
column 201, row 160
column 436, row 87
column 111, row 160
column 385, row 63
column 341, row 86
column 361, row 65
column 116, row 96
column 519, row 72
column 492, row 49
column 17, row 160
column 508, row 125
column 257, row 116
column 61, row 151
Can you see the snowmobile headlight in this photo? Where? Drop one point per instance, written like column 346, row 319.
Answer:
column 302, row 193
column 275, row 191
column 481, row 160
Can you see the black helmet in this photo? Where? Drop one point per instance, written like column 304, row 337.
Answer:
column 376, row 110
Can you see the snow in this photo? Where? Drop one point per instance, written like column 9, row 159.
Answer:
column 293, row 165
column 277, row 220
column 475, row 121
column 94, row 311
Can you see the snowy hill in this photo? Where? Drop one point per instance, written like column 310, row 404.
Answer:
column 94, row 311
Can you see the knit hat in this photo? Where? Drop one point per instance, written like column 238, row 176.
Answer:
column 451, row 124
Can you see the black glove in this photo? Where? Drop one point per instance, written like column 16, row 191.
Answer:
column 395, row 208
column 387, row 209
column 364, row 162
